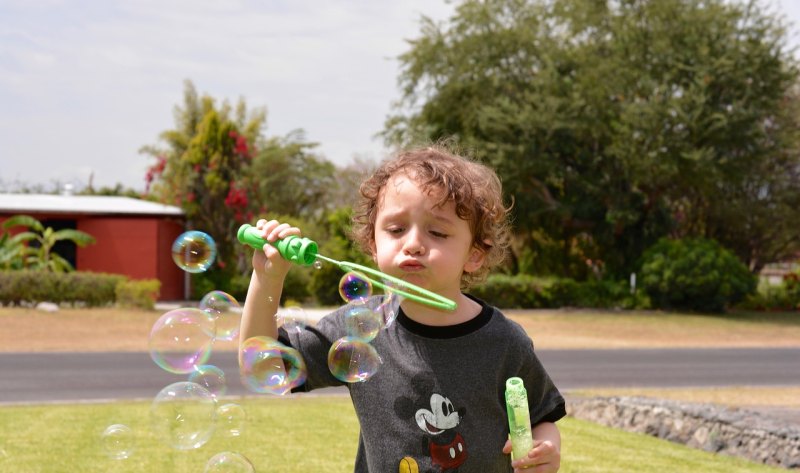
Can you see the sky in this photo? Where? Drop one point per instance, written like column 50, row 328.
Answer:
column 84, row 84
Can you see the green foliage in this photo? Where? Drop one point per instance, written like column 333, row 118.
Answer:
column 16, row 252
column 138, row 294
column 521, row 291
column 775, row 297
column 77, row 288
column 694, row 274
column 613, row 124
column 324, row 282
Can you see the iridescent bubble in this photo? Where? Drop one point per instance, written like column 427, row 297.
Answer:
column 118, row 441
column 317, row 264
column 355, row 287
column 194, row 251
column 181, row 340
column 268, row 366
column 231, row 419
column 183, row 415
column 352, row 360
column 363, row 323
column 229, row 462
column 211, row 378
column 293, row 319
column 226, row 311
column 389, row 308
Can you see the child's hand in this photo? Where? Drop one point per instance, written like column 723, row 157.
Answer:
column 270, row 262
column 543, row 458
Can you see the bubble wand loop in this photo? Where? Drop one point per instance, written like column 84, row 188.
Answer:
column 305, row 252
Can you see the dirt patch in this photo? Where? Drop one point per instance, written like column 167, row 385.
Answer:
column 112, row 329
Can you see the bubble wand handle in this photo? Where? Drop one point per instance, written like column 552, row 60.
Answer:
column 293, row 248
column 519, row 418
column 304, row 251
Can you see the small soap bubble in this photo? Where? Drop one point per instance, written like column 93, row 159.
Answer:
column 211, row 378
column 194, row 251
column 317, row 264
column 181, row 340
column 118, row 442
column 268, row 366
column 226, row 312
column 352, row 360
column 231, row 419
column 355, row 287
column 183, row 415
column 229, row 462
column 389, row 308
column 293, row 319
column 363, row 323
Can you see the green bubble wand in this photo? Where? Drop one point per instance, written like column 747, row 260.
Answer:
column 305, row 252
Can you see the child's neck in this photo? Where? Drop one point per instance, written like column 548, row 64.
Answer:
column 466, row 310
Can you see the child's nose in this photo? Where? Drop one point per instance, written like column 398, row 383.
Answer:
column 413, row 244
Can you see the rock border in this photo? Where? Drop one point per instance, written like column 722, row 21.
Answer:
column 729, row 431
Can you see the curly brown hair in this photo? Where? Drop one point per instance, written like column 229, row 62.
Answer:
column 474, row 188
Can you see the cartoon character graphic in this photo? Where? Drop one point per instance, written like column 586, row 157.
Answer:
column 436, row 416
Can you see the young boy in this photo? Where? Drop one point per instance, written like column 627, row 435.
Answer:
column 436, row 403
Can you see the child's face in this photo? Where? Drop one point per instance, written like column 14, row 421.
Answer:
column 425, row 245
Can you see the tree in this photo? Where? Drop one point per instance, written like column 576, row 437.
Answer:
column 613, row 124
column 222, row 170
column 33, row 247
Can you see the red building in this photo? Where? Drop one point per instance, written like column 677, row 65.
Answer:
column 133, row 237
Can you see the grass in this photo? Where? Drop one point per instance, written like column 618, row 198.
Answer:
column 296, row 434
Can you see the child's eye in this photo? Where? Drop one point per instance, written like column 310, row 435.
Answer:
column 439, row 234
column 394, row 230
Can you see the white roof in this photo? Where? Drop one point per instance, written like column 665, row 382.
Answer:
column 82, row 204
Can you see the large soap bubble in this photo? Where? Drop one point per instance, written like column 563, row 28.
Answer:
column 194, row 251
column 363, row 323
column 231, row 419
column 226, row 312
column 229, row 462
column 355, row 287
column 268, row 366
column 389, row 308
column 211, row 378
column 181, row 340
column 183, row 415
column 293, row 319
column 353, row 360
column 118, row 442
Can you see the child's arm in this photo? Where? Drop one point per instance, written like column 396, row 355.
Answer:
column 545, row 457
column 266, row 283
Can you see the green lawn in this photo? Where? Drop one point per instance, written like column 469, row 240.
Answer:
column 297, row 434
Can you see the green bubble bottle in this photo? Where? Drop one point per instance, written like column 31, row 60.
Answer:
column 519, row 419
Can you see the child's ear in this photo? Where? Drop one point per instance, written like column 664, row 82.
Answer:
column 475, row 260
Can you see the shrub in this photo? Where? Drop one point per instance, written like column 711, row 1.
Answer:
column 139, row 294
column 594, row 293
column 694, row 274
column 521, row 291
column 85, row 288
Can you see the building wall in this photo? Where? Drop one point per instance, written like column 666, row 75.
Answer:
column 139, row 247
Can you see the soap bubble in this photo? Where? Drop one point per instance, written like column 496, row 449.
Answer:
column 231, row 419
column 194, row 251
column 226, row 312
column 118, row 442
column 211, row 378
column 181, row 340
column 355, row 287
column 352, row 360
column 389, row 308
column 363, row 323
column 229, row 462
column 183, row 415
column 293, row 319
column 269, row 366
column 317, row 264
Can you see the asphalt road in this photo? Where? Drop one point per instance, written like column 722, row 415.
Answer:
column 55, row 377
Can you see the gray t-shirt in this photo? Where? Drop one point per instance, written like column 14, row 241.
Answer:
column 437, row 399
